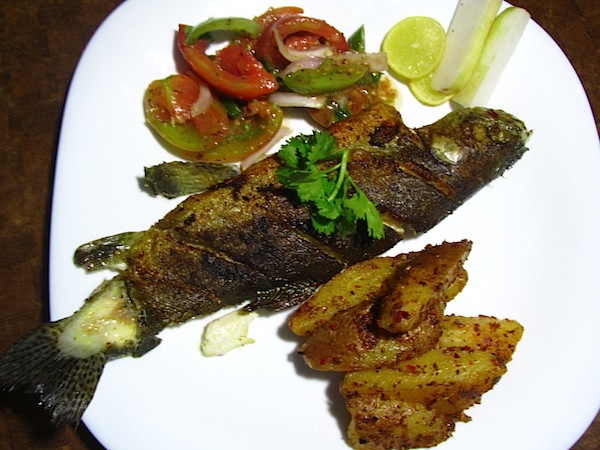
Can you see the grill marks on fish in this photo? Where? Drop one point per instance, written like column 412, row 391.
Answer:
column 421, row 176
column 382, row 169
column 175, row 281
column 243, row 221
column 253, row 221
column 248, row 239
column 410, row 200
column 485, row 144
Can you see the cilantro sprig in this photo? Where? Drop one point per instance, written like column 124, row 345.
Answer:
column 317, row 170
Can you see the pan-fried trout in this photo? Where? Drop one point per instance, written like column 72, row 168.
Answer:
column 249, row 239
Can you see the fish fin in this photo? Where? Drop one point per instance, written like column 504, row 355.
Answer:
column 63, row 384
column 106, row 253
column 147, row 342
column 177, row 178
column 282, row 297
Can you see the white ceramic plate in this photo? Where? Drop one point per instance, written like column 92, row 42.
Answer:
column 534, row 257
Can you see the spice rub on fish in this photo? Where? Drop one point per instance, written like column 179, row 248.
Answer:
column 418, row 177
column 251, row 240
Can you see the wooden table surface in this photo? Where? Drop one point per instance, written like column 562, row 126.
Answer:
column 40, row 43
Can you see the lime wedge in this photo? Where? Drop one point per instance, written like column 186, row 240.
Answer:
column 422, row 90
column 414, row 46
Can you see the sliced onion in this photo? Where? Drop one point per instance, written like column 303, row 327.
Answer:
column 252, row 158
column 308, row 62
column 203, row 101
column 292, row 99
column 294, row 55
column 377, row 62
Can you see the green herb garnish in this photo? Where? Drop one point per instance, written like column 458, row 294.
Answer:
column 317, row 170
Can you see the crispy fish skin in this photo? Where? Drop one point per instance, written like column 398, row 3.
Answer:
column 249, row 239
column 409, row 200
column 237, row 220
column 252, row 217
column 249, row 225
column 421, row 176
column 175, row 281
column 482, row 143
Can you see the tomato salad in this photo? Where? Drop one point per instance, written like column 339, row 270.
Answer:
column 227, row 107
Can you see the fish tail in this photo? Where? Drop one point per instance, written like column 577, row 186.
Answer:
column 61, row 362
column 64, row 384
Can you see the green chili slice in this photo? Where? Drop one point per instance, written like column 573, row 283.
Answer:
column 356, row 41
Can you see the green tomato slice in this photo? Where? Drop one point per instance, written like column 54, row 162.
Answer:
column 247, row 135
column 330, row 76
column 167, row 105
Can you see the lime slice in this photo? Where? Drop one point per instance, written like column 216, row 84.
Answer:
column 422, row 90
column 414, row 46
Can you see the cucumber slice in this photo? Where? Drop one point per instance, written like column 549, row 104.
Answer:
column 465, row 38
column 502, row 40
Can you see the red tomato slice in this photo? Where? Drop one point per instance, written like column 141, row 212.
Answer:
column 237, row 60
column 296, row 31
column 255, row 82
column 274, row 14
column 303, row 41
column 180, row 94
column 213, row 123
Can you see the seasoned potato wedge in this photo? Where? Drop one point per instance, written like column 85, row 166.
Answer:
column 408, row 294
column 392, row 423
column 458, row 284
column 448, row 380
column 423, row 280
column 352, row 341
column 364, row 281
column 496, row 336
column 411, row 371
column 373, row 279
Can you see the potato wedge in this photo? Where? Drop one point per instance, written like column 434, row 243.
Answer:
column 448, row 380
column 422, row 281
column 456, row 287
column 360, row 282
column 497, row 336
column 372, row 279
column 383, row 424
column 411, row 371
column 352, row 341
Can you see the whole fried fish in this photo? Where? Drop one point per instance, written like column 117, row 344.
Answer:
column 249, row 239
